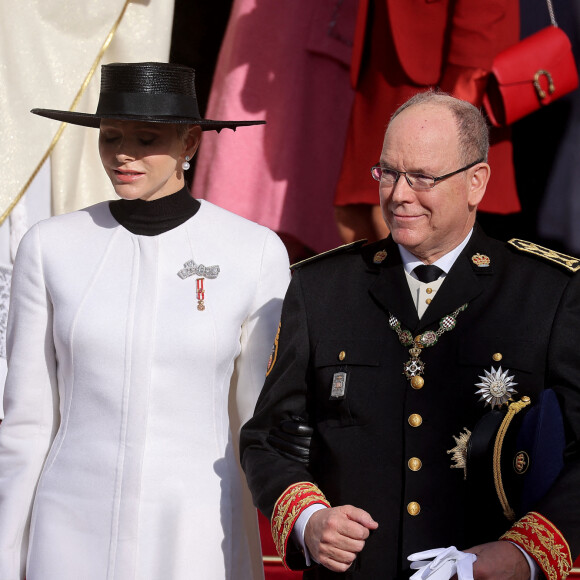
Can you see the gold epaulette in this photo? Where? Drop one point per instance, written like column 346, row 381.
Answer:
column 334, row 251
column 569, row 262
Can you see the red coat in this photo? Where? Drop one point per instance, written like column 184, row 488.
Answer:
column 430, row 34
column 451, row 44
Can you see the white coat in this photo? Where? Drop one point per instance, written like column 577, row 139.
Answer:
column 116, row 453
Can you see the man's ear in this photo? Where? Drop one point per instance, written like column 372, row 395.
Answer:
column 478, row 180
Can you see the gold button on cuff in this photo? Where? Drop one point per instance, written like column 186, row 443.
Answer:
column 413, row 508
column 497, row 356
column 429, row 290
column 341, row 355
column 414, row 464
column 417, row 382
column 415, row 420
column 428, row 301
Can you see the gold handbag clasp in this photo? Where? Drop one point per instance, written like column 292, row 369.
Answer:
column 539, row 90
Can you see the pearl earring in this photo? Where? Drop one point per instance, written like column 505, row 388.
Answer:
column 185, row 165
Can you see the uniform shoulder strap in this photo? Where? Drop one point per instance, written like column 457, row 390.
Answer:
column 569, row 262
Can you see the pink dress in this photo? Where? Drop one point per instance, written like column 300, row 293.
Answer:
column 286, row 62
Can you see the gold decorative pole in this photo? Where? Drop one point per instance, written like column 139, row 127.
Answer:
column 73, row 106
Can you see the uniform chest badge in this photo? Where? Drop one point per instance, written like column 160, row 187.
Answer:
column 496, row 387
column 380, row 256
column 274, row 351
column 481, row 260
column 338, row 390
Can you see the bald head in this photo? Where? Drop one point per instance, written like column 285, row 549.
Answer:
column 472, row 130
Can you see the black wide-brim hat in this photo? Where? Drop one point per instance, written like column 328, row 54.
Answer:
column 154, row 92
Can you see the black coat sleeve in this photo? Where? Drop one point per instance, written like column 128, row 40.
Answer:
column 270, row 472
column 561, row 504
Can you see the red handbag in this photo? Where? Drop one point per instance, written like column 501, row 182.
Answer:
column 530, row 75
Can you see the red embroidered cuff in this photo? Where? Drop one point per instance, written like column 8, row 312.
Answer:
column 542, row 540
column 288, row 508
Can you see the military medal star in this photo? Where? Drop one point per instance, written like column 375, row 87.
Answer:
column 414, row 367
column 496, row 387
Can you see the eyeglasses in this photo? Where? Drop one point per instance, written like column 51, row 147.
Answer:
column 417, row 181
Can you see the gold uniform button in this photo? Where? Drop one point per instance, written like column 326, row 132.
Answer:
column 414, row 464
column 417, row 382
column 413, row 508
column 415, row 420
column 428, row 301
column 497, row 356
column 341, row 355
column 429, row 290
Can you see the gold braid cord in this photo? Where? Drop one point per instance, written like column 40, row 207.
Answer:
column 513, row 410
column 544, row 542
column 288, row 508
column 73, row 106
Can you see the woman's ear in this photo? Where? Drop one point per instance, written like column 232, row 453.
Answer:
column 192, row 140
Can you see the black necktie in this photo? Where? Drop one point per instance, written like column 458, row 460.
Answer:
column 428, row 273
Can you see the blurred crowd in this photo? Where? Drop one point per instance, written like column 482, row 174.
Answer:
column 321, row 72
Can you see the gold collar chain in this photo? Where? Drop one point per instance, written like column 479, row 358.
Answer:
column 414, row 367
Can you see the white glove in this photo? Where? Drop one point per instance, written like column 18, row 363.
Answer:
column 446, row 563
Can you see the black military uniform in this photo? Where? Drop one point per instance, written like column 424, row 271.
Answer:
column 383, row 445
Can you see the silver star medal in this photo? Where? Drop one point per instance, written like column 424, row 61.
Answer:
column 496, row 387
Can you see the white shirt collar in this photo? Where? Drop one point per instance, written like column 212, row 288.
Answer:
column 410, row 261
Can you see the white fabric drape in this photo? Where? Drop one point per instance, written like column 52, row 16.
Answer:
column 47, row 48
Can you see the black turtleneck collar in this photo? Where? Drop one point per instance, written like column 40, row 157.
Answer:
column 150, row 218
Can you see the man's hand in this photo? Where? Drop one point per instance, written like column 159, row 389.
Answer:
column 500, row 561
column 334, row 536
